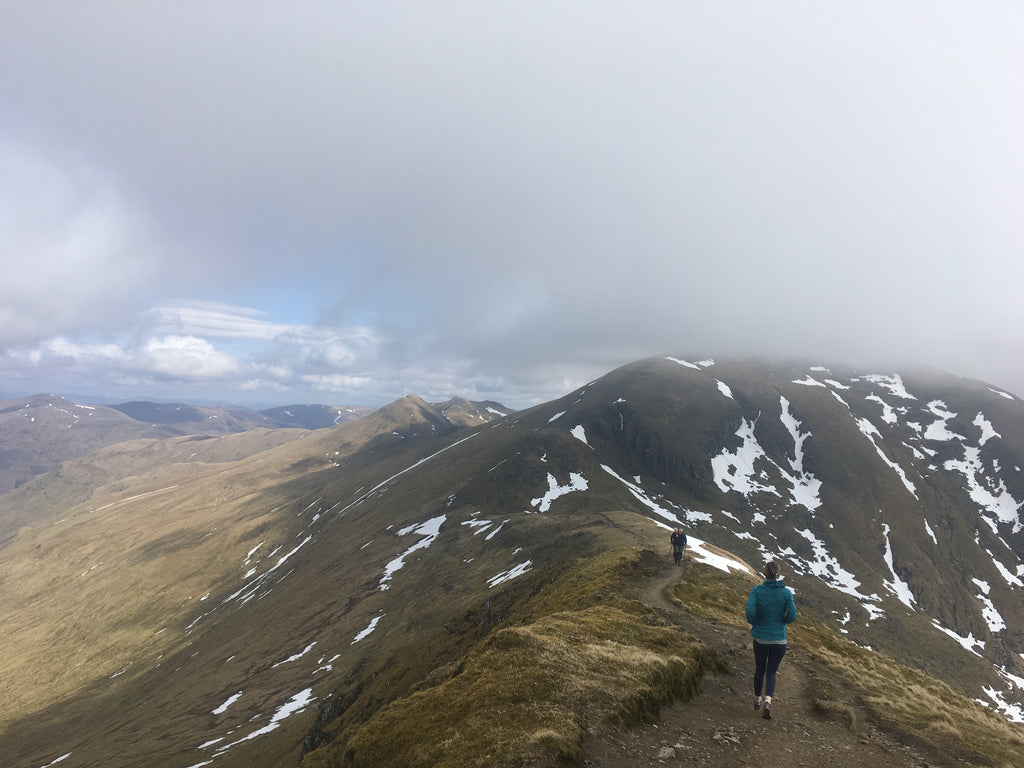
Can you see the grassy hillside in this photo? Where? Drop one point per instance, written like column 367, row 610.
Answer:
column 399, row 591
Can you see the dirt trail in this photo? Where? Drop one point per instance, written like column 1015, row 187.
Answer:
column 719, row 727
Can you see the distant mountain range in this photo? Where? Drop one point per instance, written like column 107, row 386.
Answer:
column 457, row 584
column 39, row 432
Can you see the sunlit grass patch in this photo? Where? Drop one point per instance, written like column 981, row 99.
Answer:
column 578, row 655
column 530, row 694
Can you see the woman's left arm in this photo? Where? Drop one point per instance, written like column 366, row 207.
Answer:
column 790, row 615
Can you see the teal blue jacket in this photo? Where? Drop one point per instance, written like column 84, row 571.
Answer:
column 770, row 608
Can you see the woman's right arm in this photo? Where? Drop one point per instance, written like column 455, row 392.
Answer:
column 752, row 606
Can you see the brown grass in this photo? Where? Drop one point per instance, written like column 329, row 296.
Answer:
column 529, row 693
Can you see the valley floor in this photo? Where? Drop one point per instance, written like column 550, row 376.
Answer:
column 720, row 728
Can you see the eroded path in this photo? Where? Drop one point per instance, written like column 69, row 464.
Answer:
column 719, row 727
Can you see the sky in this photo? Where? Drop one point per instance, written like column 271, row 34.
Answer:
column 272, row 203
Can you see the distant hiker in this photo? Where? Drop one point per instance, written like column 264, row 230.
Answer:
column 770, row 608
column 678, row 539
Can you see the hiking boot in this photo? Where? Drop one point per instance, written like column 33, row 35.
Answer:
column 767, row 714
column 757, row 704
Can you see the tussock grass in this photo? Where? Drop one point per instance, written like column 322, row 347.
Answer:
column 528, row 693
column 920, row 706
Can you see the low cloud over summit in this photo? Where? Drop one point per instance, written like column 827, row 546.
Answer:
column 350, row 204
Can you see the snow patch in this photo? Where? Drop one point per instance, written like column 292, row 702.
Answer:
column 992, row 617
column 829, row 570
column 478, row 526
column 897, row 586
column 888, row 414
column 930, row 532
column 939, row 430
column 893, row 383
column 372, row 626
column 60, row 759
column 724, row 563
column 805, row 485
column 642, row 497
column 967, row 643
column 987, row 430
column 493, row 533
column 809, row 381
column 1012, row 712
column 995, row 498
column 511, row 573
column 576, row 483
column 296, row 657
column 224, row 707
column 734, row 470
column 684, row 363
column 430, row 530
column 297, row 703
column 871, row 432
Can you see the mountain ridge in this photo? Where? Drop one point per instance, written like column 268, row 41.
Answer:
column 40, row 431
column 437, row 538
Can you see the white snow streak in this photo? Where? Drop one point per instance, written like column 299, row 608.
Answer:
column 60, row 759
column 871, row 432
column 992, row 617
column 373, row 625
column 407, row 469
column 576, row 483
column 250, row 589
column 888, row 414
column 805, row 485
column 224, row 707
column 430, row 530
column 938, row 430
column 734, row 470
column 967, row 643
column 828, row 569
column 642, row 497
column 683, row 363
column 995, row 499
column 987, row 430
column 722, row 562
column 512, row 573
column 893, row 383
column 897, row 586
column 297, row 703
column 296, row 657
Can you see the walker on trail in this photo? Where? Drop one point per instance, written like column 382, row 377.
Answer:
column 770, row 607
column 678, row 539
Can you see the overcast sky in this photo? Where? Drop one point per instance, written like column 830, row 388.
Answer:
column 347, row 202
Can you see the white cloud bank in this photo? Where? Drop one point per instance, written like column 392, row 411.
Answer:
column 503, row 200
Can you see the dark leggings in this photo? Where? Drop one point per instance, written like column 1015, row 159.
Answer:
column 767, row 658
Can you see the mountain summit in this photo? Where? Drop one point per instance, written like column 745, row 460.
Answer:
column 412, row 589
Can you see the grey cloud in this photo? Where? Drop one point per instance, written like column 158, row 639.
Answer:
column 520, row 193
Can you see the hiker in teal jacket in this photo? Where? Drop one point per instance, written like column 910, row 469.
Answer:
column 770, row 607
